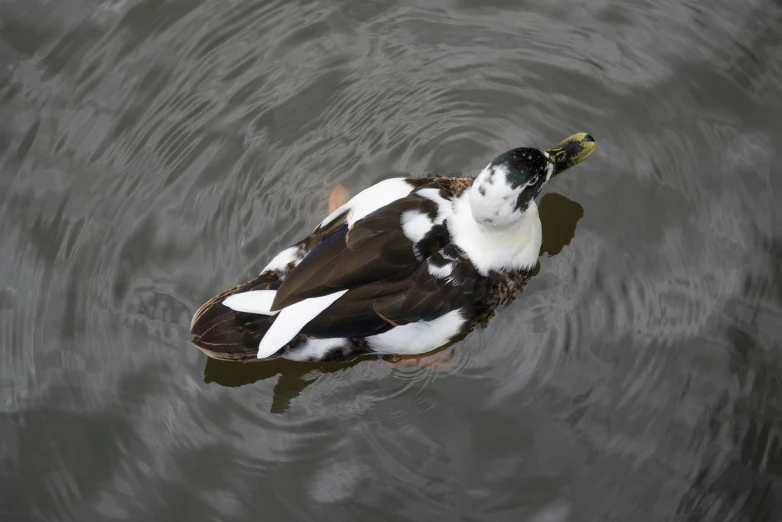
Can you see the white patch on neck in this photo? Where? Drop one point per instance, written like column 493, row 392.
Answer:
column 492, row 199
column 512, row 247
column 549, row 170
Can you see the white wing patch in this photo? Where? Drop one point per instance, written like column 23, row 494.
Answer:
column 415, row 225
column 291, row 320
column 419, row 337
column 371, row 199
column 283, row 259
column 253, row 302
column 440, row 272
column 315, row 349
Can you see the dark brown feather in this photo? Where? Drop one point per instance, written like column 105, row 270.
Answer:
column 234, row 335
column 375, row 307
column 375, row 249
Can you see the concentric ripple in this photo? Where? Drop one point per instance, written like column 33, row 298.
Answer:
column 154, row 153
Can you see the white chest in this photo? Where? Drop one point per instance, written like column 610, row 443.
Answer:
column 513, row 247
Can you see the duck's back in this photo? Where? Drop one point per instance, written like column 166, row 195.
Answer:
column 399, row 313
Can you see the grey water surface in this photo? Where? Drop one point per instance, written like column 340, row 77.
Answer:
column 156, row 152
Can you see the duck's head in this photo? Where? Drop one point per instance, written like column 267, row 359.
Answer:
column 504, row 189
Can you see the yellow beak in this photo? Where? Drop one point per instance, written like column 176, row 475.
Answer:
column 571, row 151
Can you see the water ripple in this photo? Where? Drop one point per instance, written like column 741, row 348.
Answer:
column 152, row 153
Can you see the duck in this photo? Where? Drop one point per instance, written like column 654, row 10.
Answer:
column 405, row 267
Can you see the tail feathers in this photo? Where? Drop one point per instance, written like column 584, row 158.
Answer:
column 233, row 339
column 238, row 324
column 223, row 333
column 291, row 320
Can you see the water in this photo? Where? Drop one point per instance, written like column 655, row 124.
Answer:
column 153, row 153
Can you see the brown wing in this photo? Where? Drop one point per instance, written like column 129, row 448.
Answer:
column 422, row 296
column 374, row 250
column 390, row 279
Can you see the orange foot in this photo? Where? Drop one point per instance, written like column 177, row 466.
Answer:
column 338, row 197
column 438, row 360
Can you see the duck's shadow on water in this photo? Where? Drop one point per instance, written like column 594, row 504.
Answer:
column 559, row 217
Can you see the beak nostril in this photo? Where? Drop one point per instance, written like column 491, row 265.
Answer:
column 589, row 139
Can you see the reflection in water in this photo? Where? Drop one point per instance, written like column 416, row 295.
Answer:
column 294, row 377
column 559, row 217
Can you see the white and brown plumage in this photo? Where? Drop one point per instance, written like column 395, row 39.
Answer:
column 405, row 267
